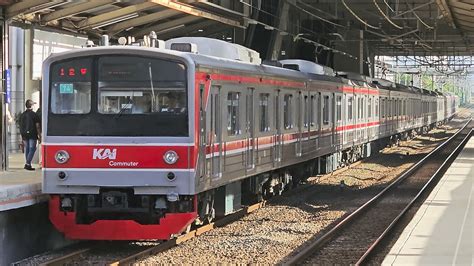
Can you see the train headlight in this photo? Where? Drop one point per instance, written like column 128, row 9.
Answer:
column 170, row 157
column 61, row 157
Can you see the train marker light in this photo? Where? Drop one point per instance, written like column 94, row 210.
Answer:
column 172, row 197
column 66, row 204
column 170, row 157
column 61, row 157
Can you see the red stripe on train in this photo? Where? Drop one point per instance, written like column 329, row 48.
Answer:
column 240, row 144
column 98, row 156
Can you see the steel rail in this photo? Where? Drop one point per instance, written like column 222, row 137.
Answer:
column 435, row 176
column 176, row 241
column 168, row 244
column 199, row 231
column 203, row 229
column 59, row 261
column 309, row 250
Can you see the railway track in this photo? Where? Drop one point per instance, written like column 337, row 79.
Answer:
column 357, row 237
column 87, row 254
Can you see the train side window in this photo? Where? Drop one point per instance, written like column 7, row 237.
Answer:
column 306, row 112
column 369, row 112
column 400, row 107
column 314, row 110
column 287, row 111
column 233, row 106
column 391, row 108
column 376, row 107
column 326, row 110
column 339, row 108
column 350, row 102
column 382, row 108
column 264, row 105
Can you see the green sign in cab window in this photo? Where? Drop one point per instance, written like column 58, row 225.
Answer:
column 66, row 88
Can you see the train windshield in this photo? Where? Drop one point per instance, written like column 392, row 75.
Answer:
column 140, row 86
column 118, row 95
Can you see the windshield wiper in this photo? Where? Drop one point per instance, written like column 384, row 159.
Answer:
column 152, row 88
column 124, row 107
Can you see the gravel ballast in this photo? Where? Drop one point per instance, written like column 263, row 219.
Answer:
column 271, row 234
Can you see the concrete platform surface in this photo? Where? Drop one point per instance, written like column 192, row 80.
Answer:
column 19, row 187
column 441, row 232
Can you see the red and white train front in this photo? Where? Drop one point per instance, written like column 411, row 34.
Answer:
column 118, row 143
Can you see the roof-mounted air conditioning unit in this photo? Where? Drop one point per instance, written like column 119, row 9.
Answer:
column 214, row 47
column 307, row 67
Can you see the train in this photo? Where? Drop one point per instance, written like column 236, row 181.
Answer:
column 144, row 140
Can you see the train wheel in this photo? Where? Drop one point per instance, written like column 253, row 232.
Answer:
column 206, row 210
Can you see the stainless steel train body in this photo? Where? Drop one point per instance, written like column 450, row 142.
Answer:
column 121, row 163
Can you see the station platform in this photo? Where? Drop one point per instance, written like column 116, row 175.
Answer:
column 18, row 187
column 441, row 232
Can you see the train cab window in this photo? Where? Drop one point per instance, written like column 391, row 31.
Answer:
column 118, row 95
column 263, row 105
column 140, row 86
column 287, row 111
column 339, row 108
column 350, row 103
column 326, row 110
column 233, row 106
column 71, row 88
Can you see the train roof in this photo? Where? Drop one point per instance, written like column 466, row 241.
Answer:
column 269, row 69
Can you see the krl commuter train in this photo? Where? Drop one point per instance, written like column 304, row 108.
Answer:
column 141, row 141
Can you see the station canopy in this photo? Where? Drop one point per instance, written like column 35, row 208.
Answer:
column 128, row 17
column 391, row 27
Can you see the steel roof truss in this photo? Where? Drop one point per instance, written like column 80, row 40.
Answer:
column 115, row 16
column 31, row 6
column 197, row 12
column 144, row 19
column 77, row 9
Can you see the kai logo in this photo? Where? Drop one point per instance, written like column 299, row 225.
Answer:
column 102, row 154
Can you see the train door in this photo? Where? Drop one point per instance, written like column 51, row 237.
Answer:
column 250, row 130
column 215, row 133
column 356, row 117
column 348, row 132
column 365, row 115
column 338, row 119
column 277, row 138
column 299, row 122
column 326, row 128
column 202, row 168
column 314, row 121
column 333, row 119
column 344, row 119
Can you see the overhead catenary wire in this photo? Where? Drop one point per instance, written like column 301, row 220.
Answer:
column 386, row 17
column 313, row 15
column 357, row 17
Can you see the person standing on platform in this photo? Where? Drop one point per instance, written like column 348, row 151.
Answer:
column 30, row 130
